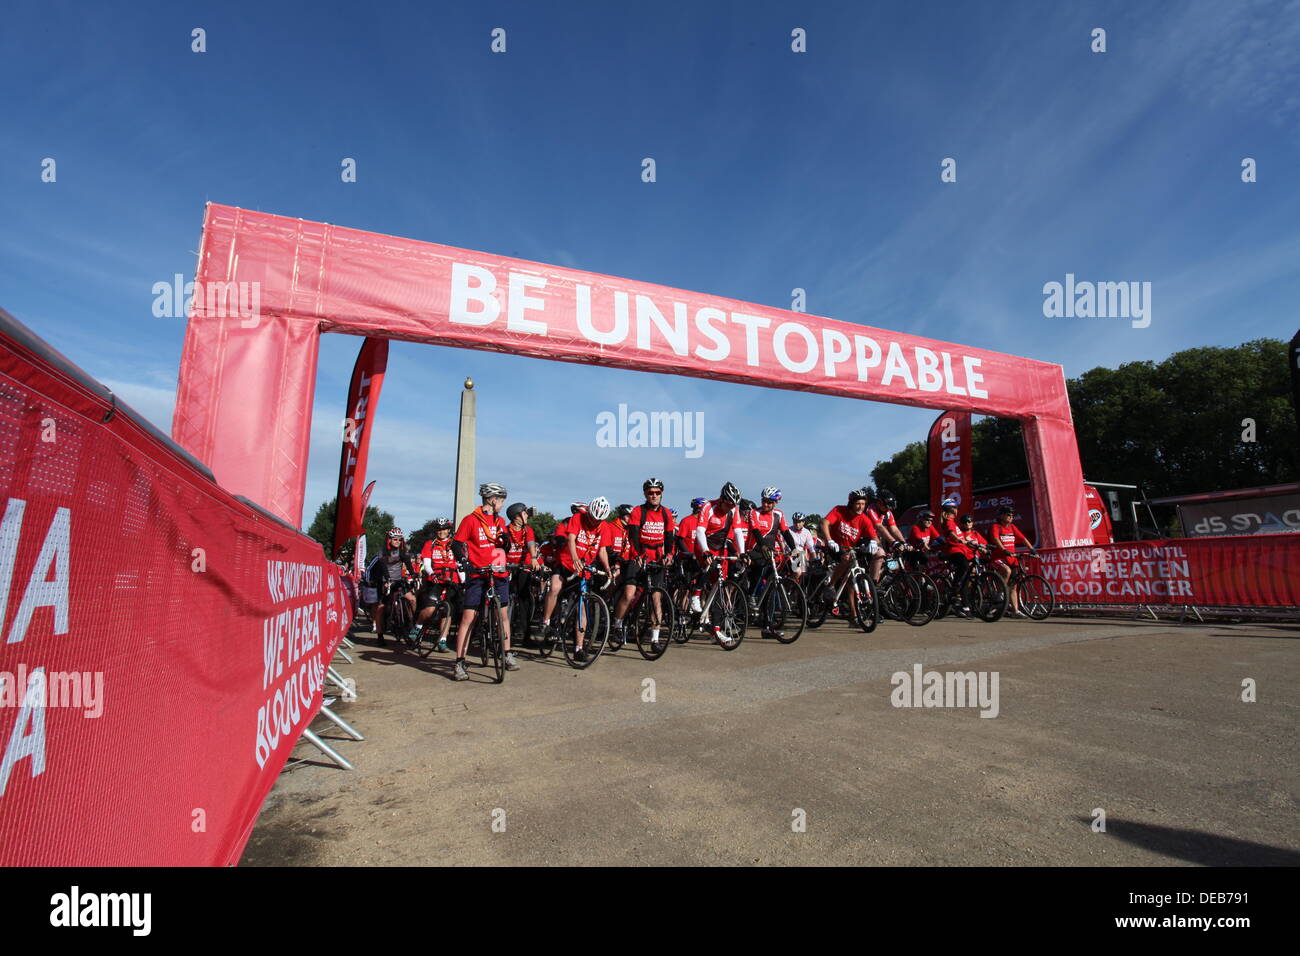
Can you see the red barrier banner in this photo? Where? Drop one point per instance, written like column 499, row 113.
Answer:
column 949, row 454
column 165, row 644
column 1260, row 571
column 363, row 399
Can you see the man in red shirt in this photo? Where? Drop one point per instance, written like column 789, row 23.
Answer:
column 847, row 526
column 1005, row 538
column 582, row 542
column 923, row 537
column 881, row 513
column 957, row 551
column 719, row 527
column 767, row 528
column 442, row 579
column 481, row 541
column 651, row 534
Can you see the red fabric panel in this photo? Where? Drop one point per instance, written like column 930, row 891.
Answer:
column 347, row 280
column 162, row 595
column 1253, row 571
column 363, row 400
column 950, row 461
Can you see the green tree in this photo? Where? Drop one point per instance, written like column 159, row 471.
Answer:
column 1173, row 427
column 376, row 524
column 543, row 524
column 905, row 475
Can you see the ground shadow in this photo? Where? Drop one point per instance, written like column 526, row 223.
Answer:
column 1196, row 846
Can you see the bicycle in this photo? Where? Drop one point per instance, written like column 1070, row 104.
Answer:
column 581, row 613
column 782, row 604
column 426, row 639
column 826, row 599
column 651, row 613
column 1034, row 593
column 907, row 595
column 397, row 613
column 487, row 623
column 731, row 610
column 984, row 592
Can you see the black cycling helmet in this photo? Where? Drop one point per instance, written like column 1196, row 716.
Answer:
column 888, row 498
column 440, row 523
column 1006, row 510
column 515, row 509
column 927, row 513
column 623, row 510
column 730, row 493
column 964, row 518
column 859, row 494
column 747, row 505
column 797, row 516
column 652, row 484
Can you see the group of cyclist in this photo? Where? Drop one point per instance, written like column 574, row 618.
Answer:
column 622, row 544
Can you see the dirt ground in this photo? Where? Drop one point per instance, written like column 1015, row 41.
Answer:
column 795, row 754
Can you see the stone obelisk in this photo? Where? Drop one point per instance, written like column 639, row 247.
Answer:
column 466, row 496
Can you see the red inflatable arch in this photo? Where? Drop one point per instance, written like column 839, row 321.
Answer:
column 268, row 286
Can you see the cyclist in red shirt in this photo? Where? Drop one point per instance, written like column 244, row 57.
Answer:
column 480, row 542
column 651, row 533
column 845, row 527
column 957, row 551
column 583, row 543
column 767, row 527
column 720, row 528
column 1005, row 538
column 924, row 537
column 442, row 578
column 881, row 512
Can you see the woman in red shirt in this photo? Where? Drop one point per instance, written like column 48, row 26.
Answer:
column 957, row 552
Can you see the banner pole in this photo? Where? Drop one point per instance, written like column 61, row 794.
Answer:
column 346, row 727
column 326, row 749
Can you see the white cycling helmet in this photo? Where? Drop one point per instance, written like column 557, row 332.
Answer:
column 598, row 508
column 491, row 489
column 771, row 493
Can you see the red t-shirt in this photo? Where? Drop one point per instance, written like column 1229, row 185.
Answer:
column 951, row 543
column 546, row 553
column 974, row 537
column 922, row 536
column 886, row 519
column 587, row 539
column 517, row 547
column 686, row 534
column 442, row 559
column 763, row 527
column 616, row 540
column 656, row 526
column 1004, row 539
column 719, row 526
column 482, row 534
column 848, row 529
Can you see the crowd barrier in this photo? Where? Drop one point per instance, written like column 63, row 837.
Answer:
column 164, row 644
column 1257, row 571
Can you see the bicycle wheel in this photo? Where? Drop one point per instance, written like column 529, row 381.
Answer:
column 927, row 598
column 682, row 618
column 789, row 611
column 987, row 596
column 492, row 639
column 867, row 602
column 652, row 623
column 582, row 619
column 521, row 615
column 398, row 621
column 729, row 613
column 895, row 601
column 1036, row 597
column 427, row 639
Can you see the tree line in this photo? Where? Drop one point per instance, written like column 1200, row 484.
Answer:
column 1204, row 419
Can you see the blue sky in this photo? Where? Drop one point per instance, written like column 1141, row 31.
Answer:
column 775, row 170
